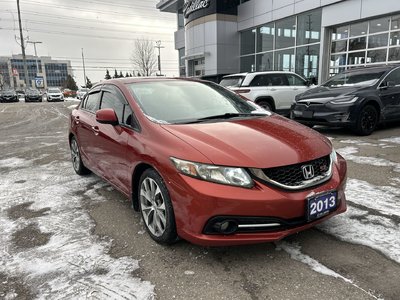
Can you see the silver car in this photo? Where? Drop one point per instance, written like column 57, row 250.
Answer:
column 54, row 94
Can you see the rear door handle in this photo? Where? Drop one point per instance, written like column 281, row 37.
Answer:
column 95, row 130
column 77, row 120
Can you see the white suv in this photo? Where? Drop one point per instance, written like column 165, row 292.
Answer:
column 273, row 90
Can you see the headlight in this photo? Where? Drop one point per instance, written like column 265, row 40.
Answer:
column 344, row 100
column 333, row 156
column 219, row 174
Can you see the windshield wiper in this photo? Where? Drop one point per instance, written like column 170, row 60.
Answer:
column 227, row 116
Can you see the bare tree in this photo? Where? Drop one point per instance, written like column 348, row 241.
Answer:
column 143, row 57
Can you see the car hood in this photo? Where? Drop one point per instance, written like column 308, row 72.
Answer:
column 258, row 142
column 324, row 94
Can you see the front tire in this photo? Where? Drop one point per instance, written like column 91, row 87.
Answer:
column 77, row 163
column 366, row 121
column 156, row 208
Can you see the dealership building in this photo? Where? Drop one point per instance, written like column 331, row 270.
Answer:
column 314, row 38
column 43, row 71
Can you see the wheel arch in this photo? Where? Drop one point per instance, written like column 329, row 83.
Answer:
column 136, row 174
column 375, row 104
column 268, row 99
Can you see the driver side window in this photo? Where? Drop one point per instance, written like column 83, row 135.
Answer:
column 394, row 77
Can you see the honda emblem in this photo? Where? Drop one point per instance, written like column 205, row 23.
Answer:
column 308, row 171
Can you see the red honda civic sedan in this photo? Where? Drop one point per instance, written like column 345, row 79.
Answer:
column 203, row 164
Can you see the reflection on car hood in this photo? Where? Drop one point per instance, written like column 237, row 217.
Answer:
column 259, row 142
column 329, row 92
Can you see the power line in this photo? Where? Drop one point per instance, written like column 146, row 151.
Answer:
column 83, row 35
column 69, row 18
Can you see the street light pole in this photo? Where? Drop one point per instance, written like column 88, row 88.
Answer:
column 84, row 71
column 158, row 43
column 34, row 46
column 22, row 46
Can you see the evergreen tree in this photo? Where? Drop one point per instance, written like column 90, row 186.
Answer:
column 130, row 75
column 126, row 75
column 115, row 73
column 88, row 83
column 70, row 83
column 107, row 75
column 121, row 75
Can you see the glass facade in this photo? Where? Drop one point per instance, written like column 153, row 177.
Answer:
column 290, row 44
column 31, row 65
column 368, row 42
column 56, row 74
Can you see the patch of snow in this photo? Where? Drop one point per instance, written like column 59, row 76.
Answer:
column 189, row 272
column 74, row 263
column 348, row 154
column 394, row 140
column 358, row 142
column 14, row 162
column 371, row 219
column 294, row 250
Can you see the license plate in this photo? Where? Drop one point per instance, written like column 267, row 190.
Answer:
column 308, row 114
column 321, row 205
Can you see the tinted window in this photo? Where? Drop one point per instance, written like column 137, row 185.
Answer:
column 295, row 80
column 92, row 102
column 357, row 78
column 113, row 98
column 260, row 80
column 110, row 100
column 394, row 76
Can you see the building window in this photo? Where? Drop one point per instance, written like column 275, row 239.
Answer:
column 367, row 42
column 290, row 44
column 197, row 67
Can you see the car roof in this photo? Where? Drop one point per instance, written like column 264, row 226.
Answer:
column 372, row 68
column 258, row 73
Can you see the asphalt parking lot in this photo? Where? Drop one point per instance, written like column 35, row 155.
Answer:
column 67, row 237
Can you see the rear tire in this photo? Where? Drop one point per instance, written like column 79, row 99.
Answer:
column 156, row 208
column 77, row 163
column 367, row 120
column 266, row 105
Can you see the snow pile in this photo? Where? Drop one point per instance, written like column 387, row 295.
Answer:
column 72, row 263
column 394, row 140
column 371, row 220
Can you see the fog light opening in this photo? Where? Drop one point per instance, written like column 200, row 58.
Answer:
column 226, row 227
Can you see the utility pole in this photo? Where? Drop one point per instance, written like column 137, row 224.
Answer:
column 158, row 43
column 84, row 71
column 34, row 46
column 22, row 47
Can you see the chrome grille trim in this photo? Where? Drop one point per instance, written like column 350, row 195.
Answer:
column 259, row 173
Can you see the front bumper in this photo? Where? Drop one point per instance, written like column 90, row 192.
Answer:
column 9, row 99
column 55, row 98
column 324, row 114
column 33, row 98
column 197, row 203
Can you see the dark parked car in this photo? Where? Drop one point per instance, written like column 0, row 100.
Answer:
column 8, row 96
column 201, row 163
column 33, row 95
column 358, row 98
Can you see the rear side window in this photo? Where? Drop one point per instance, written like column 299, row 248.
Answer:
column 232, row 81
column 261, row 80
column 92, row 102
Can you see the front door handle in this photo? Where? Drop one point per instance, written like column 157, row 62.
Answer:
column 95, row 130
column 77, row 120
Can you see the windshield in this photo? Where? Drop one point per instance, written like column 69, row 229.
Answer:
column 356, row 78
column 179, row 101
column 54, row 91
column 232, row 81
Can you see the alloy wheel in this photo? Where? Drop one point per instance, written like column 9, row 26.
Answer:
column 153, row 206
column 368, row 119
column 75, row 155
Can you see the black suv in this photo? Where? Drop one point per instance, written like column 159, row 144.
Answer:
column 359, row 98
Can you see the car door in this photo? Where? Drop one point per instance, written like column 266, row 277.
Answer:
column 111, row 140
column 85, row 129
column 297, row 86
column 390, row 95
column 280, row 90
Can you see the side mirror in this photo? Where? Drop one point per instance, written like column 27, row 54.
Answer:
column 107, row 116
column 388, row 84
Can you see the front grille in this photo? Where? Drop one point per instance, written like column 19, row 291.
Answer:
column 292, row 176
